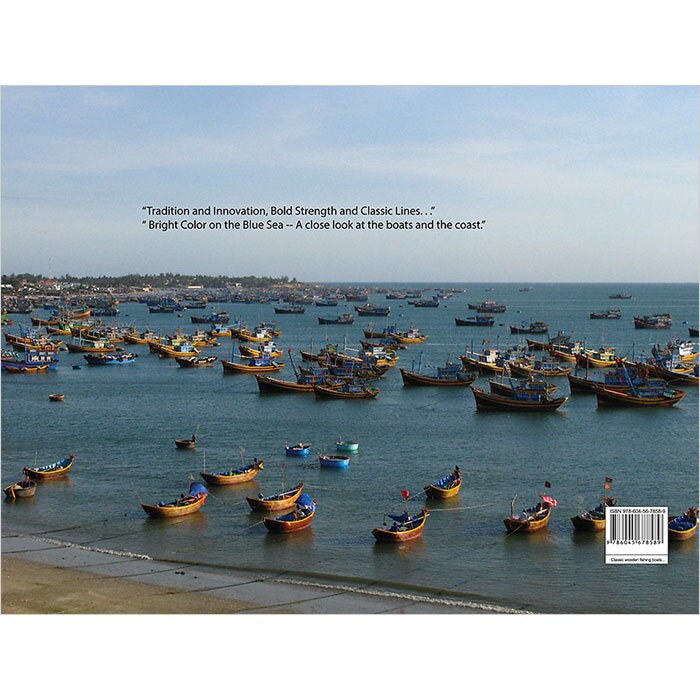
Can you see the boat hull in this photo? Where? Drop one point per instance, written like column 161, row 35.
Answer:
column 589, row 524
column 679, row 535
column 14, row 491
column 608, row 397
column 287, row 527
column 276, row 386
column 227, row 479
column 59, row 473
column 490, row 402
column 515, row 525
column 325, row 392
column 382, row 535
column 154, row 511
column 248, row 369
column 414, row 379
column 433, row 491
column 278, row 504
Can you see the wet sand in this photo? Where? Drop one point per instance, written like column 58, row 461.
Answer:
column 44, row 575
column 38, row 588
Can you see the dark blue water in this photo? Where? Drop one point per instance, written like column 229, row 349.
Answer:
column 121, row 423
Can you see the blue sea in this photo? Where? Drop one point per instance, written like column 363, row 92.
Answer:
column 121, row 422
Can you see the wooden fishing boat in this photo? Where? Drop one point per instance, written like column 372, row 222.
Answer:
column 594, row 520
column 32, row 342
column 344, row 391
column 582, row 385
column 675, row 376
column 196, row 361
column 522, row 401
column 409, row 337
column 333, row 461
column 84, row 313
column 683, row 527
column 56, row 470
column 638, row 397
column 91, row 346
column 299, row 519
column 186, row 443
column 531, row 519
column 279, row 501
column 37, row 369
column 443, row 377
column 567, row 353
column 447, row 487
column 535, row 328
column 263, row 350
column 233, row 476
column 373, row 310
column 657, row 322
column 219, row 331
column 488, row 307
column 342, row 320
column 57, row 397
column 252, row 337
column 255, row 364
column 25, row 488
column 135, row 338
column 525, row 368
column 475, row 321
column 603, row 357
column 185, row 505
column 507, row 386
column 183, row 350
column 272, row 385
column 404, row 528
column 610, row 314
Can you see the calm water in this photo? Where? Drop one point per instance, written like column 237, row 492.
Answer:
column 121, row 423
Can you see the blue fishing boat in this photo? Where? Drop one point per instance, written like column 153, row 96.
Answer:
column 333, row 461
column 298, row 450
column 29, row 360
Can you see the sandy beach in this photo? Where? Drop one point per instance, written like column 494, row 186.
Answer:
column 43, row 575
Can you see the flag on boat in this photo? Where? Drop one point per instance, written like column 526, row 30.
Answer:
column 549, row 501
column 607, row 486
column 405, row 495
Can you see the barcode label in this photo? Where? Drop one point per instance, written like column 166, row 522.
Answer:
column 636, row 535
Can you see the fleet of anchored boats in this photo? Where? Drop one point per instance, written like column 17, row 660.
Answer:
column 517, row 380
column 292, row 510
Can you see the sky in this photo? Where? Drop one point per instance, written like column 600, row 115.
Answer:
column 575, row 184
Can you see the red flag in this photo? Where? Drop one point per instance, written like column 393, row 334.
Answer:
column 607, row 486
column 547, row 485
column 608, row 480
column 405, row 495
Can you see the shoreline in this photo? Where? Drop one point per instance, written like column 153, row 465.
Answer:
column 69, row 578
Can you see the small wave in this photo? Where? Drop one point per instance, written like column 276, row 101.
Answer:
column 485, row 607
column 101, row 550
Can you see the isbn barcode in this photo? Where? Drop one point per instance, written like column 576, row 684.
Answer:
column 638, row 528
column 636, row 535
